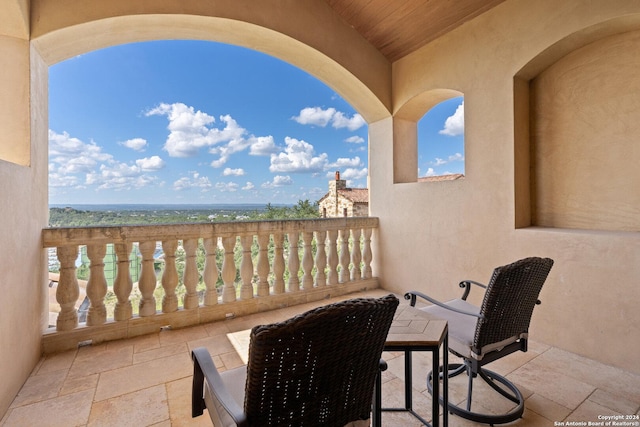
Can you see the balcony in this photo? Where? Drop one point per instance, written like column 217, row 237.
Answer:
column 146, row 380
column 129, row 363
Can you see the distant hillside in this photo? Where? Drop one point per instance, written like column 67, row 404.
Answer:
column 105, row 215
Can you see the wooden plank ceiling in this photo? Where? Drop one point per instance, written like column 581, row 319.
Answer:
column 398, row 27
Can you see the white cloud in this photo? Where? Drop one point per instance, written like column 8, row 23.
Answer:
column 76, row 164
column 195, row 181
column 119, row 176
column 248, row 186
column 346, row 163
column 457, row 157
column 262, row 146
column 298, row 157
column 316, row 116
column 137, row 144
column 340, row 121
column 354, row 139
column 149, row 164
column 454, row 124
column 351, row 174
column 278, row 181
column 70, row 155
column 233, row 172
column 227, row 186
column 430, row 172
column 189, row 131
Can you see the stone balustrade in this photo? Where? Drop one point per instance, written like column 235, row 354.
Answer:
column 248, row 267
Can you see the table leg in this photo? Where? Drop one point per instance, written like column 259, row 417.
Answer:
column 435, row 397
column 445, row 382
column 408, row 381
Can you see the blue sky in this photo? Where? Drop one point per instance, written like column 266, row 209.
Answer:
column 193, row 122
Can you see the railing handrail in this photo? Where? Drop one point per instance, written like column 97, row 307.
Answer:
column 72, row 236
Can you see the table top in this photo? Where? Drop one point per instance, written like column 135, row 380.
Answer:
column 414, row 328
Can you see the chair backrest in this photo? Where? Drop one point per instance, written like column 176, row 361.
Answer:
column 509, row 300
column 318, row 368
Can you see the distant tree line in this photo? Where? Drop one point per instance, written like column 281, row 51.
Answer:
column 70, row 217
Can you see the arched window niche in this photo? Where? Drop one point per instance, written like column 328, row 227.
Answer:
column 429, row 138
column 577, row 118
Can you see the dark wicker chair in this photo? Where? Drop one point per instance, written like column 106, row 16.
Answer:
column 499, row 327
column 316, row 369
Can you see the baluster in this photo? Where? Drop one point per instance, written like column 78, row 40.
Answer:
column 123, row 284
column 278, row 263
column 97, row 285
column 293, row 261
column 190, row 274
column 210, row 271
column 356, row 255
column 366, row 254
column 147, row 281
column 169, row 276
column 246, row 268
column 333, row 257
column 344, row 256
column 307, row 260
column 263, row 265
column 68, row 290
column 321, row 258
column 228, row 269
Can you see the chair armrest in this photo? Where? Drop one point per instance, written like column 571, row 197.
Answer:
column 467, row 285
column 205, row 369
column 411, row 295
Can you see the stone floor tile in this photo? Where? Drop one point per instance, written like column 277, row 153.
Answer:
column 616, row 402
column 592, row 372
column 139, row 408
column 64, row 411
column 589, row 411
column 179, row 395
column 145, row 342
column 57, row 362
column 40, row 387
column 217, row 344
column 216, row 328
column 231, row 360
column 546, row 407
column 241, row 341
column 176, row 336
column 246, row 322
column 159, row 352
column 73, row 385
column 143, row 375
column 100, row 360
column 552, row 384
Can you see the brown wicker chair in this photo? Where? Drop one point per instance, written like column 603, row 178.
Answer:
column 499, row 327
column 318, row 368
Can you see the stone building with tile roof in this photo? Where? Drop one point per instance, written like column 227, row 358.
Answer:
column 344, row 201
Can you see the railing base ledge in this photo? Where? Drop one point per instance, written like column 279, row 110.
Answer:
column 56, row 341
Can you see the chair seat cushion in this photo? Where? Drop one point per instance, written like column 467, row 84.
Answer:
column 462, row 328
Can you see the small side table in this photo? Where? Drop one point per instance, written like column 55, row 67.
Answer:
column 414, row 330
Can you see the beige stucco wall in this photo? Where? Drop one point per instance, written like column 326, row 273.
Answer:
column 23, row 214
column 462, row 229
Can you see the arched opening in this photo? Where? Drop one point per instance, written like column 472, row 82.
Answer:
column 429, row 137
column 187, row 121
column 575, row 118
column 441, row 141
